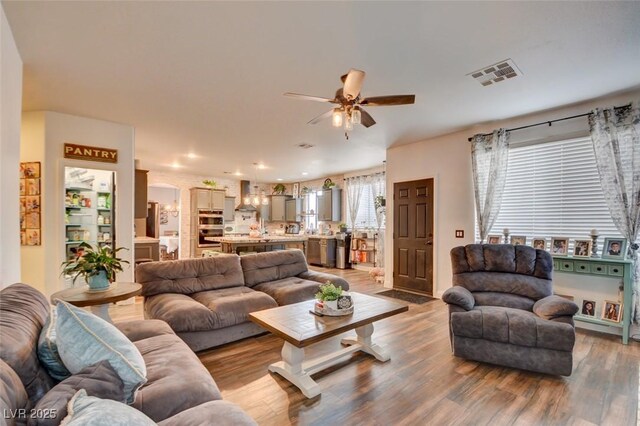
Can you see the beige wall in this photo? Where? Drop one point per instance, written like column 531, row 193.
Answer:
column 43, row 137
column 10, row 108
column 447, row 159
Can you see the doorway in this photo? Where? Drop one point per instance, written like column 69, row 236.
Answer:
column 163, row 219
column 413, row 236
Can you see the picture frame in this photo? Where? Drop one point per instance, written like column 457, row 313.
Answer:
column 614, row 248
column 494, row 239
column 539, row 243
column 559, row 246
column 582, row 248
column 588, row 308
column 30, row 204
column 518, row 240
column 612, row 311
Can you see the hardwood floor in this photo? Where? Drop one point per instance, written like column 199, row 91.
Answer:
column 424, row 383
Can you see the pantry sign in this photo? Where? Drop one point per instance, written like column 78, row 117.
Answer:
column 90, row 153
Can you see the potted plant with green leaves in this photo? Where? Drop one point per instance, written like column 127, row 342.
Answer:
column 333, row 301
column 343, row 227
column 279, row 189
column 210, row 183
column 380, row 201
column 98, row 266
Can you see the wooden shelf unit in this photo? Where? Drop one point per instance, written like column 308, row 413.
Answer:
column 364, row 256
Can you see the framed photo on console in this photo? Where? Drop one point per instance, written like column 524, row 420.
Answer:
column 518, row 240
column 539, row 243
column 612, row 311
column 588, row 308
column 559, row 246
column 494, row 239
column 582, row 248
column 615, row 248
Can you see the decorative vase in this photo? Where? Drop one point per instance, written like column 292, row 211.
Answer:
column 98, row 282
column 254, row 234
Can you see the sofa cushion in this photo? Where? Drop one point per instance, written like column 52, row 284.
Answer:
column 207, row 310
column 48, row 349
column 518, row 284
column 518, row 259
column 271, row 266
column 323, row 277
column 290, row 290
column 142, row 329
column 23, row 312
column 506, row 300
column 554, row 306
column 514, row 326
column 99, row 380
column 87, row 410
column 13, row 395
column 176, row 379
column 224, row 413
column 85, row 339
column 190, row 275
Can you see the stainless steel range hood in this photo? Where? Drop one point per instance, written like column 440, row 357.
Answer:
column 245, row 191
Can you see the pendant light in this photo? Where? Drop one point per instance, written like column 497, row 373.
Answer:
column 336, row 119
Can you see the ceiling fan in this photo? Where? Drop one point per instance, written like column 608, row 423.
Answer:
column 349, row 110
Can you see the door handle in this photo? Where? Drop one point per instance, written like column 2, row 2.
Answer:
column 428, row 243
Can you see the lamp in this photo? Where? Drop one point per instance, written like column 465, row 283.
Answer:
column 173, row 209
column 337, row 117
column 356, row 116
column 257, row 197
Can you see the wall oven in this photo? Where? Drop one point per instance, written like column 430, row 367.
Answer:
column 210, row 218
column 204, row 233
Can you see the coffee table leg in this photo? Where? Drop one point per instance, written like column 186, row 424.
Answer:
column 364, row 340
column 291, row 369
column 102, row 311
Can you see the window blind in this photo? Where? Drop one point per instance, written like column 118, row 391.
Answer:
column 366, row 210
column 553, row 189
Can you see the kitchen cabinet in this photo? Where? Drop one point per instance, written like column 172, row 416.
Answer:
column 265, row 210
column 329, row 205
column 229, row 209
column 293, row 210
column 140, row 188
column 313, row 251
column 278, row 207
column 208, row 199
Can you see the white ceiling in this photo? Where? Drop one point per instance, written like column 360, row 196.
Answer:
column 207, row 77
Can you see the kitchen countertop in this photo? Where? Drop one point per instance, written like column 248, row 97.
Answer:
column 145, row 240
column 263, row 239
column 322, row 237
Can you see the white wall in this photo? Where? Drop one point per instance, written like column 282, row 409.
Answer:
column 10, row 108
column 43, row 137
column 447, row 159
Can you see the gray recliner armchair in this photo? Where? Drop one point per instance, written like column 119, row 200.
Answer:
column 502, row 309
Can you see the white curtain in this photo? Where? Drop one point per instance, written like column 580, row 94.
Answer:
column 354, row 185
column 489, row 156
column 379, row 188
column 616, row 144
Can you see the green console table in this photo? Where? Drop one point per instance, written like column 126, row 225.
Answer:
column 603, row 268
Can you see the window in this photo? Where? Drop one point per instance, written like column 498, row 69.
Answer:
column 372, row 186
column 310, row 221
column 553, row 189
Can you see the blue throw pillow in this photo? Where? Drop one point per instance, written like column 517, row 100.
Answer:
column 85, row 339
column 48, row 349
column 91, row 411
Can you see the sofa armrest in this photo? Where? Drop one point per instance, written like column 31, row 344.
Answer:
column 322, row 278
column 220, row 413
column 459, row 296
column 552, row 307
column 142, row 329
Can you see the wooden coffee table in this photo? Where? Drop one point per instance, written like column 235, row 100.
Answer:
column 99, row 301
column 299, row 329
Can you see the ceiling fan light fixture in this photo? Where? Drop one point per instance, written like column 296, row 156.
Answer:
column 348, row 124
column 336, row 118
column 356, row 116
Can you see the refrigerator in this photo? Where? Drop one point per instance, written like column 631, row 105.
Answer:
column 153, row 219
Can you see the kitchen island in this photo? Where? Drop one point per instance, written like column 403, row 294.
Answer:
column 261, row 244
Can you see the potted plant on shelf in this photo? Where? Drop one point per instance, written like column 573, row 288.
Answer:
column 279, row 189
column 380, row 201
column 342, row 227
column 210, row 183
column 332, row 301
column 97, row 266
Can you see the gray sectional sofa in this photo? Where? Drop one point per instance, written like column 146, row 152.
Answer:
column 207, row 301
column 502, row 309
column 179, row 389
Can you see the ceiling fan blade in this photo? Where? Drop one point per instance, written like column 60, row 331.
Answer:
column 389, row 100
column 309, row 98
column 353, row 83
column 366, row 119
column 321, row 117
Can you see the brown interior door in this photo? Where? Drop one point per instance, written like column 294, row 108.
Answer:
column 413, row 236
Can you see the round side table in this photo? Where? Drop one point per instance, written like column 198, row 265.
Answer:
column 98, row 302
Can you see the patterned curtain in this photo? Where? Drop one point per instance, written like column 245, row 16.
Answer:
column 354, row 185
column 489, row 157
column 616, row 144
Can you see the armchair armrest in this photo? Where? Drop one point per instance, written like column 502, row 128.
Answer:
column 322, row 278
column 551, row 307
column 218, row 412
column 459, row 296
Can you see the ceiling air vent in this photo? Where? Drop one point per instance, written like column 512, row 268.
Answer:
column 496, row 73
column 305, row 146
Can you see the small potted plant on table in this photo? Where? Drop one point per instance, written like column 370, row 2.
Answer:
column 332, row 301
column 97, row 266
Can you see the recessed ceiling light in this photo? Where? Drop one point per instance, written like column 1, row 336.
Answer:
column 261, row 166
column 176, row 165
column 279, row 179
column 304, row 173
column 238, row 174
column 192, row 155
